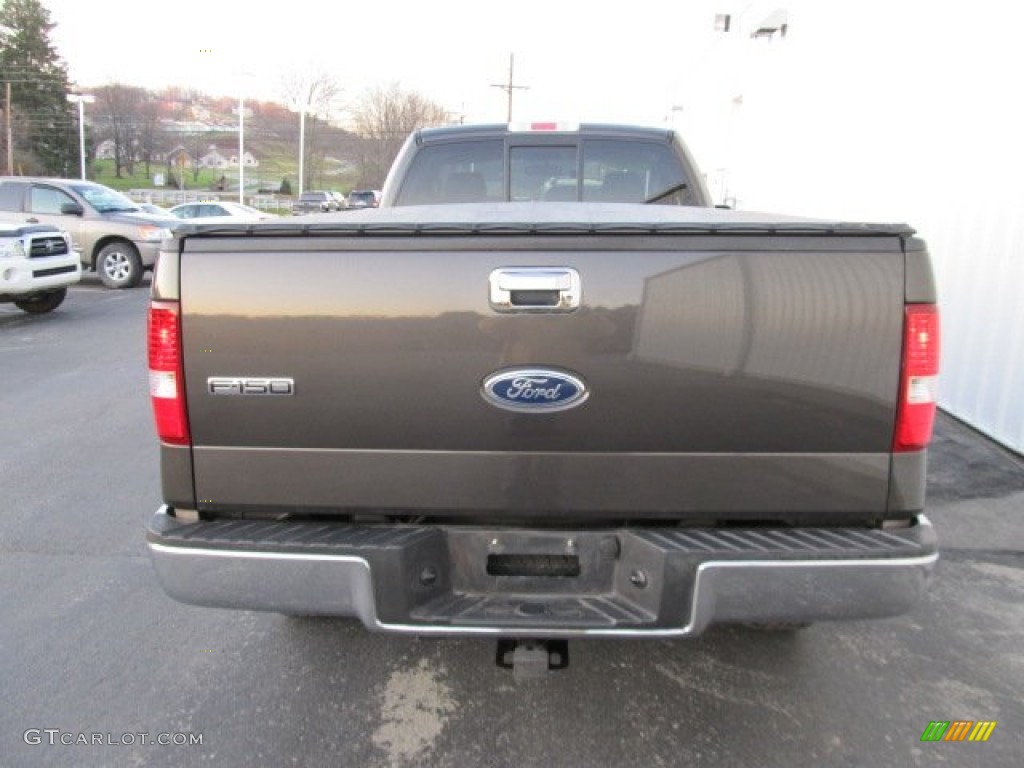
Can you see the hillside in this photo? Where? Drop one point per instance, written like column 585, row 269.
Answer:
column 196, row 137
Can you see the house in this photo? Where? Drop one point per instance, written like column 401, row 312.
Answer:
column 179, row 156
column 213, row 159
column 223, row 157
column 105, row 150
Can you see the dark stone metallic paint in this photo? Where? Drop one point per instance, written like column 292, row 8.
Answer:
column 390, row 417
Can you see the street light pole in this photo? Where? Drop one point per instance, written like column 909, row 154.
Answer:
column 241, row 150
column 302, row 145
column 305, row 101
column 242, row 76
column 81, row 99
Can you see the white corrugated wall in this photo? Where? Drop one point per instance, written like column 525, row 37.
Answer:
column 906, row 111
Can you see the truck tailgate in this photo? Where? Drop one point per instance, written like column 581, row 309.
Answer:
column 751, row 375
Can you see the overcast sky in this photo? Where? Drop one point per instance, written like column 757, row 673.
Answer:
column 581, row 60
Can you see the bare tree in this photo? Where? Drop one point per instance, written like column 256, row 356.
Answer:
column 118, row 117
column 384, row 117
column 200, row 142
column 150, row 137
column 315, row 96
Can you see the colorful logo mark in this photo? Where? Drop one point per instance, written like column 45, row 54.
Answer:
column 958, row 730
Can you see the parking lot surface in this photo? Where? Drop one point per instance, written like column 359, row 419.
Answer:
column 92, row 650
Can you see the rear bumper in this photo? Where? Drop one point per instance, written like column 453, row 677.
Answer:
column 616, row 582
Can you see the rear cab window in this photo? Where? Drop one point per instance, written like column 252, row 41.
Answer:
column 633, row 172
column 471, row 171
column 562, row 167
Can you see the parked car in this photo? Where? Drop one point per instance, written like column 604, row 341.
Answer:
column 340, row 199
column 220, row 211
column 37, row 264
column 315, row 202
column 112, row 235
column 364, row 198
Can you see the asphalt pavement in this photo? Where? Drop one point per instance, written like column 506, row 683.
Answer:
column 97, row 664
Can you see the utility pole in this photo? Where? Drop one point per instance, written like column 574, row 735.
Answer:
column 510, row 85
column 10, row 142
column 4, row 32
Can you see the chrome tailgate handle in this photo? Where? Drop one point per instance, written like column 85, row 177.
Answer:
column 535, row 289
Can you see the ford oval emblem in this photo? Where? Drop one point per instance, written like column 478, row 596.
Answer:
column 534, row 390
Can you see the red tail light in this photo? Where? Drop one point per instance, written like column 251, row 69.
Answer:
column 166, row 383
column 918, row 379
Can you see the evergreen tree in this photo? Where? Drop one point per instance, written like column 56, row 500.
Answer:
column 42, row 121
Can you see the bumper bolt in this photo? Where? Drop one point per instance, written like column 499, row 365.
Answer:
column 638, row 579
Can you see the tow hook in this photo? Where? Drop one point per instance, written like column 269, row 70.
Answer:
column 530, row 659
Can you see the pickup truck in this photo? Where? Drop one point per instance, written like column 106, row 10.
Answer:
column 315, row 202
column 112, row 235
column 37, row 264
column 540, row 419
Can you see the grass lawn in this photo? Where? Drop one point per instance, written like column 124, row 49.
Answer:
column 268, row 175
column 103, row 173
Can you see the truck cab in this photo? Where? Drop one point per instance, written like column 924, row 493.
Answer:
column 544, row 162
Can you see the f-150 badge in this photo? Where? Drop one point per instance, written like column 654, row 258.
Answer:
column 234, row 385
column 534, row 390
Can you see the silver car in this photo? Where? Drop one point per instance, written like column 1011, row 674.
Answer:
column 114, row 236
column 219, row 212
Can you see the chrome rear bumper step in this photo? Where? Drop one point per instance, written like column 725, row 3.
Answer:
column 655, row 582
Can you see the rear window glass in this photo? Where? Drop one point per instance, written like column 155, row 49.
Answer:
column 466, row 172
column 609, row 170
column 543, row 173
column 633, row 172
